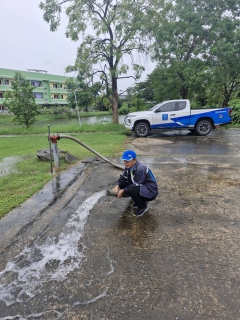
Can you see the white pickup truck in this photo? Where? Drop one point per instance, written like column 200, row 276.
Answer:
column 175, row 115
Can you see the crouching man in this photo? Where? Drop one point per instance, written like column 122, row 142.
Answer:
column 137, row 181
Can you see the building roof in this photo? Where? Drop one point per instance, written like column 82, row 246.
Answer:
column 9, row 73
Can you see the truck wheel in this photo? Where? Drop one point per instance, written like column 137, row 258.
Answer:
column 141, row 129
column 204, row 127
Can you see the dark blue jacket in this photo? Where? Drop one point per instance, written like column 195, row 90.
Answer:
column 141, row 176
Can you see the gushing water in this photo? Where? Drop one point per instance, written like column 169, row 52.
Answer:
column 7, row 165
column 23, row 277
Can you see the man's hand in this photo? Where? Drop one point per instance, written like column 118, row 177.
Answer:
column 120, row 193
column 116, row 189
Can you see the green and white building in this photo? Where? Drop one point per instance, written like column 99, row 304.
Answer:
column 48, row 90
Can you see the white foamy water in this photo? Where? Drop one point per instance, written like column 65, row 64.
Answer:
column 54, row 260
column 7, row 165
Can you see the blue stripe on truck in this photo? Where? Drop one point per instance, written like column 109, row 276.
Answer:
column 218, row 117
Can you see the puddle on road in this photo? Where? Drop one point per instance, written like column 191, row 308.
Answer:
column 7, row 165
column 23, row 277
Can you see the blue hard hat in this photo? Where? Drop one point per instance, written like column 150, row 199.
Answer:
column 129, row 155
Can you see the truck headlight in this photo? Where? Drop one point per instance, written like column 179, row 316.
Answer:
column 127, row 119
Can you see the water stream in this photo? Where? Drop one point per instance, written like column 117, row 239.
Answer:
column 55, row 259
column 7, row 165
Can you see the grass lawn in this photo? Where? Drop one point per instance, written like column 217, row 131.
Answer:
column 29, row 174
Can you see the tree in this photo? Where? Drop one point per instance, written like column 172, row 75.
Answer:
column 145, row 89
column 117, row 28
column 21, row 101
column 166, row 85
column 224, row 56
column 85, row 93
column 180, row 41
column 184, row 39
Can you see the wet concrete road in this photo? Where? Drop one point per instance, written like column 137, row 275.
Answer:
column 71, row 252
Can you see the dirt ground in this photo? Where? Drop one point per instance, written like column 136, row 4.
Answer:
column 180, row 261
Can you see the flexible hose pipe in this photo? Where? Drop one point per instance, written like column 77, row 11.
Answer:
column 90, row 149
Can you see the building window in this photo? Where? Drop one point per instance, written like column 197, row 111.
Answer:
column 38, row 95
column 35, row 83
column 1, row 95
column 7, row 82
column 55, row 96
column 54, row 85
column 62, row 96
column 0, row 81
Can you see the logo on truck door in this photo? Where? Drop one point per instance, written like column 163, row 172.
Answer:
column 164, row 116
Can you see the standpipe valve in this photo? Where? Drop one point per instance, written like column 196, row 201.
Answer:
column 54, row 139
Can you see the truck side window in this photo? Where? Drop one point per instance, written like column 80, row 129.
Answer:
column 169, row 106
column 181, row 105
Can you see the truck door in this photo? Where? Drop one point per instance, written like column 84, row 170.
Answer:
column 164, row 115
column 169, row 115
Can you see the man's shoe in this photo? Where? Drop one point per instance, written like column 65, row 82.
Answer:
column 140, row 211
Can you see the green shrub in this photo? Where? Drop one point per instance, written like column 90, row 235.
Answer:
column 235, row 105
column 124, row 109
column 195, row 105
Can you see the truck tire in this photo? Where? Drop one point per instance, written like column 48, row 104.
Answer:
column 204, row 127
column 141, row 129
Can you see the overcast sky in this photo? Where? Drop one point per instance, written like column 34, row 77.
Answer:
column 27, row 43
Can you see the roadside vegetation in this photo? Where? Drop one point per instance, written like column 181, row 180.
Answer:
column 28, row 175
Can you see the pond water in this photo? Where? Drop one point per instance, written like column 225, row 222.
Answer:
column 86, row 120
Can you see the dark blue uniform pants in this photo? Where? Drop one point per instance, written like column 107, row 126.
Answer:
column 133, row 192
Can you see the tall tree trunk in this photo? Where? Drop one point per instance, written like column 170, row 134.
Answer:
column 183, row 89
column 228, row 90
column 114, row 100
column 184, row 93
column 225, row 101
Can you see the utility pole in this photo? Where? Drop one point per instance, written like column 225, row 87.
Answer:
column 75, row 98
column 79, row 120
